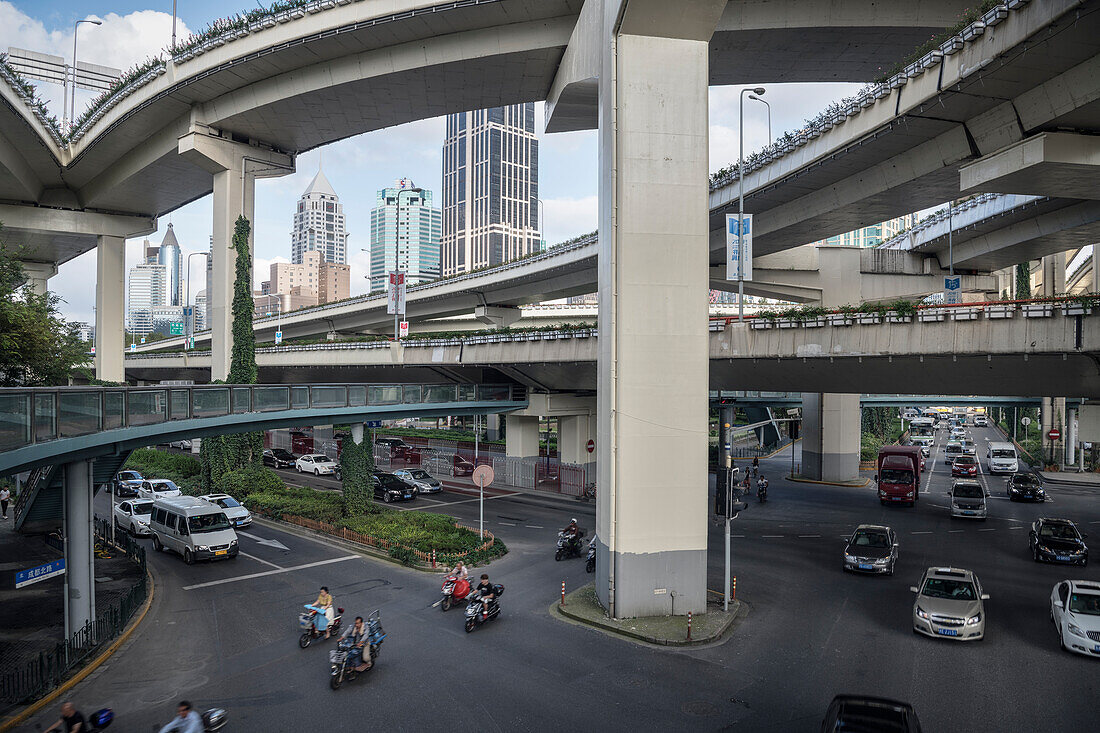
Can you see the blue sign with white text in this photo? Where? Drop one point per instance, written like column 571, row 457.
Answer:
column 33, row 575
column 373, row 423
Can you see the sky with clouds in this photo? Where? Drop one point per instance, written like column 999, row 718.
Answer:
column 133, row 30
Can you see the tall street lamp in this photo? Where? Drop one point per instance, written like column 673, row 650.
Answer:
column 758, row 91
column 187, row 298
column 397, row 250
column 72, row 108
column 765, row 102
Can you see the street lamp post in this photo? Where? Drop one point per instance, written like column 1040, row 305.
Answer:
column 759, row 99
column 72, row 100
column 278, row 311
column 397, row 252
column 741, row 201
column 187, row 298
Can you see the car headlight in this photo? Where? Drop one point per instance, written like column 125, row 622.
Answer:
column 909, row 494
column 882, row 561
column 921, row 612
column 1075, row 629
column 849, row 558
column 202, row 548
column 974, row 620
column 232, row 542
column 881, row 492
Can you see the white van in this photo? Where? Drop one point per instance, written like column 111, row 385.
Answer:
column 1002, row 458
column 193, row 528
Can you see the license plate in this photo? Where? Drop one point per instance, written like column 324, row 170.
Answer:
column 968, row 512
column 947, row 632
column 865, row 566
column 1096, row 648
column 220, row 552
column 408, row 496
column 1063, row 558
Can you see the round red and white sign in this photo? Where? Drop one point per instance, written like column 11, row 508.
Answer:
column 591, row 446
column 1054, row 433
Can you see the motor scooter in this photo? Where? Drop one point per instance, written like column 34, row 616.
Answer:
column 473, row 609
column 454, row 589
column 762, row 491
column 340, row 667
column 311, row 630
column 590, row 563
column 568, row 545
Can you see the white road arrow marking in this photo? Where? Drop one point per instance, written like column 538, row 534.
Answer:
column 269, row 543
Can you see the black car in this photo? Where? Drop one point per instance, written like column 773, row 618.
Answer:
column 866, row 714
column 871, row 549
column 127, row 483
column 388, row 487
column 1025, row 486
column 1057, row 540
column 279, row 458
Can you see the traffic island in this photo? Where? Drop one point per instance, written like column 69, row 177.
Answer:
column 582, row 607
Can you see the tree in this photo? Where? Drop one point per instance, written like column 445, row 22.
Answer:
column 356, row 469
column 38, row 347
column 1023, row 281
column 221, row 454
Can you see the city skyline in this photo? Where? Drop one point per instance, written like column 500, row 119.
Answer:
column 408, row 243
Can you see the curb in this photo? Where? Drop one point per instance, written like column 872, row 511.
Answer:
column 556, row 609
column 775, row 452
column 849, row 485
column 92, row 666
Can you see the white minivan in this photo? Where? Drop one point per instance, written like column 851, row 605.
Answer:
column 1002, row 458
column 193, row 528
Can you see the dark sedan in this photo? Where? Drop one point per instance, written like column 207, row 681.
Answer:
column 388, row 487
column 857, row 713
column 1025, row 486
column 1057, row 540
column 871, row 549
column 279, row 458
column 127, row 483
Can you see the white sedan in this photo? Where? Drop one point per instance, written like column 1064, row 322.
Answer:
column 1075, row 611
column 315, row 463
column 238, row 516
column 157, row 488
column 133, row 516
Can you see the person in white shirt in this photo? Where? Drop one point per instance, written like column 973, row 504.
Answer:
column 186, row 720
column 5, row 497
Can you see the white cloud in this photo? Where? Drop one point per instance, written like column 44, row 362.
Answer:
column 568, row 217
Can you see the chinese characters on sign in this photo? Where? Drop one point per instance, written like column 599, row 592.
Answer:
column 738, row 247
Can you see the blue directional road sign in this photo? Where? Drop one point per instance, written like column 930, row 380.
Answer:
column 33, row 575
column 373, row 423
column 952, row 289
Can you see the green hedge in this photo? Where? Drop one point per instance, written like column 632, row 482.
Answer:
column 186, row 472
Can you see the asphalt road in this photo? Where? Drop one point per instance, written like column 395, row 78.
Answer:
column 225, row 634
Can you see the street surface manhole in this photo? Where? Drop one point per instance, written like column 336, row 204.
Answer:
column 700, row 708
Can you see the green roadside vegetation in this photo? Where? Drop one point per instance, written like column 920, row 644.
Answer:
column 879, row 426
column 435, row 434
column 264, row 491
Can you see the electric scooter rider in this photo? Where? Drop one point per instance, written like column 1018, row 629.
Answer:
column 488, row 593
column 357, row 633
column 572, row 533
column 761, row 487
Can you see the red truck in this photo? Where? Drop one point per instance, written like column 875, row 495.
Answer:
column 898, row 477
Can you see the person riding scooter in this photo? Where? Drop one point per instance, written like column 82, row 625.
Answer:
column 762, row 488
column 357, row 634
column 572, row 533
column 487, row 593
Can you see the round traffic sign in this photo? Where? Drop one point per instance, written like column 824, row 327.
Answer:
column 1025, row 421
column 591, row 446
column 1054, row 433
column 482, row 475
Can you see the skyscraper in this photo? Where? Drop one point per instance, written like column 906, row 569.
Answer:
column 319, row 224
column 490, row 187
column 871, row 236
column 405, row 232
column 146, row 291
column 169, row 256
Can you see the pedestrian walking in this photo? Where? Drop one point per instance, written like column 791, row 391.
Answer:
column 5, row 497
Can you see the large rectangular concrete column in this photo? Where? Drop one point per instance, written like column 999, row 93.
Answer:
column 830, row 436
column 522, row 436
column 79, row 556
column 110, row 315
column 574, row 432
column 651, row 513
column 38, row 275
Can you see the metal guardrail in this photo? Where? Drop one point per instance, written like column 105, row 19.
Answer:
column 32, row 678
column 37, row 415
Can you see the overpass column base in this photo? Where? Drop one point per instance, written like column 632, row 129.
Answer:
column 653, row 366
column 522, row 438
column 830, row 437
column 574, row 432
column 109, row 309
column 492, row 426
column 79, row 555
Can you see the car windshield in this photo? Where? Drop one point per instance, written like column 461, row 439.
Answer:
column 163, row 486
column 208, row 523
column 1086, row 603
column 964, row 461
column 1003, row 453
column 389, row 481
column 955, row 590
column 142, row 507
column 421, row 474
column 129, row 476
column 1025, row 480
column 1059, row 531
column 968, row 491
column 227, row 503
column 896, row 476
column 871, row 539
column 953, row 448
column 282, row 453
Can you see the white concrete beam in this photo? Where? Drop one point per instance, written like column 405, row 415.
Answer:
column 38, row 275
column 1055, row 164
column 497, row 316
column 110, row 329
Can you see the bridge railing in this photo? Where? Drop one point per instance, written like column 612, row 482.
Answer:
column 40, row 414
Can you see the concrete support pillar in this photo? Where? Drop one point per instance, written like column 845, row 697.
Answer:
column 1071, row 437
column 830, row 437
column 357, row 432
column 653, row 371
column 1054, row 274
column 497, row 316
column 492, row 426
column 522, row 439
column 110, row 310
column 38, row 275
column 235, row 168
column 79, row 555
column 574, row 432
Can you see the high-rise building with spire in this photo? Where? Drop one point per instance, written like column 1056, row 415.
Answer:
column 319, row 224
column 169, row 256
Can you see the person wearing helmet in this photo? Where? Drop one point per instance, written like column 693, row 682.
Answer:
column 572, row 533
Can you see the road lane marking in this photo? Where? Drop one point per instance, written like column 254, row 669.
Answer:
column 269, row 543
column 462, row 501
column 738, row 536
column 260, row 559
column 951, row 531
column 1015, row 527
column 804, row 536
column 507, row 524
column 926, row 532
column 988, row 529
column 534, row 526
column 772, row 536
column 264, row 574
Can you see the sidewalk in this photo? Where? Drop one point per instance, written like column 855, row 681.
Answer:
column 1071, row 478
column 32, row 618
